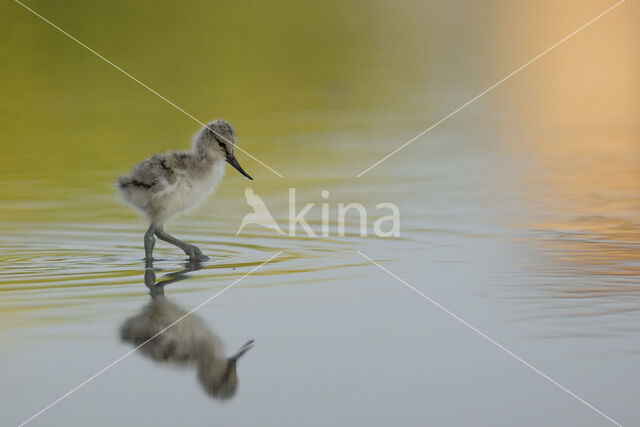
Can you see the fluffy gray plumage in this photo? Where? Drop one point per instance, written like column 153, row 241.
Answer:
column 168, row 184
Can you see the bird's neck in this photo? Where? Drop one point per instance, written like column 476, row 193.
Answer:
column 206, row 158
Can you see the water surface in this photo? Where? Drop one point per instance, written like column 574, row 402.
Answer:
column 519, row 214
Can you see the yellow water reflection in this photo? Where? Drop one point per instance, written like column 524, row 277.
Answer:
column 319, row 92
column 576, row 125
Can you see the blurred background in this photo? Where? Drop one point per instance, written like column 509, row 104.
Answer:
column 520, row 213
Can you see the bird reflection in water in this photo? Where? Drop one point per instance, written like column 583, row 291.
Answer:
column 188, row 342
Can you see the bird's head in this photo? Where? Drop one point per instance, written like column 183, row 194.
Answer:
column 219, row 139
column 219, row 377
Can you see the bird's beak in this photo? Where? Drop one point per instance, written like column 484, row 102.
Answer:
column 248, row 346
column 231, row 159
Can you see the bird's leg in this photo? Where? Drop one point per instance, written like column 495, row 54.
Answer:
column 194, row 253
column 149, row 243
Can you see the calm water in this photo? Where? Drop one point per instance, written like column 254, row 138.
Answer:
column 520, row 214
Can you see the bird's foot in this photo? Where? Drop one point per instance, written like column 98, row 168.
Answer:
column 195, row 254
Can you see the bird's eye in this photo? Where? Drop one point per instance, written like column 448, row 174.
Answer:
column 221, row 144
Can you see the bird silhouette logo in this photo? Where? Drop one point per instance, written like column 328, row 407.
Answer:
column 260, row 214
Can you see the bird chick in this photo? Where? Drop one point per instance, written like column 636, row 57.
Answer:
column 166, row 185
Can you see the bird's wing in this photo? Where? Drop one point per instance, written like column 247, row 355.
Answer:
column 167, row 170
column 159, row 175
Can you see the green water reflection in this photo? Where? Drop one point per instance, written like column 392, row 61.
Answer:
column 318, row 92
